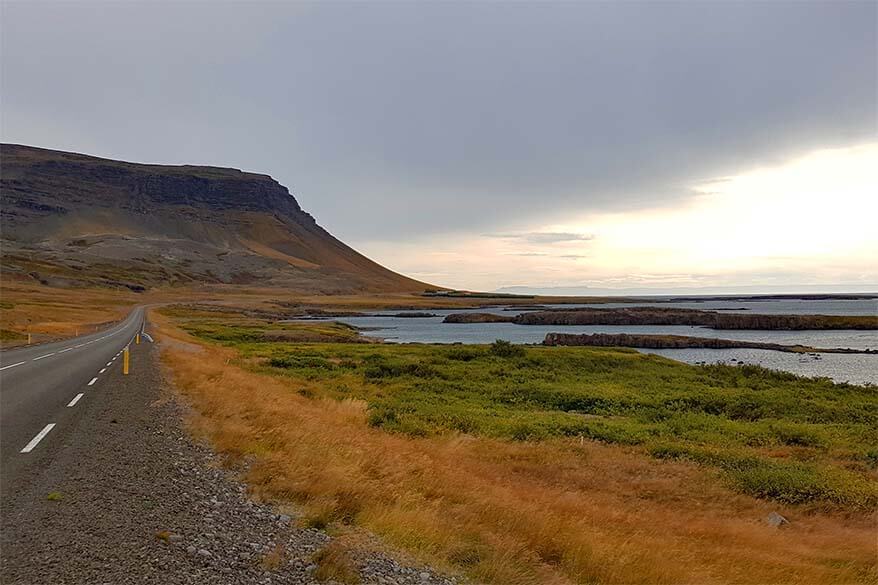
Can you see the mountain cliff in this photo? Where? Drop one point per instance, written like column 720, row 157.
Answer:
column 69, row 219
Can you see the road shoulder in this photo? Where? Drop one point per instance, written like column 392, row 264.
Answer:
column 131, row 498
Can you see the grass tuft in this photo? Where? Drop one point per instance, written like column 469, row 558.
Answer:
column 334, row 563
column 273, row 559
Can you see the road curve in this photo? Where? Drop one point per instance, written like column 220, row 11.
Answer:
column 40, row 389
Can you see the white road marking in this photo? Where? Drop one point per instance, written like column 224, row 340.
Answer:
column 102, row 370
column 11, row 366
column 109, row 364
column 80, row 345
column 93, row 380
column 75, row 400
column 43, row 356
column 63, row 350
column 36, row 440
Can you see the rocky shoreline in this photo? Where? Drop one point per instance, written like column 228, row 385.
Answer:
column 673, row 316
column 681, row 342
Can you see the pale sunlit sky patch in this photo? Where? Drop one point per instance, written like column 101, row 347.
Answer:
column 811, row 220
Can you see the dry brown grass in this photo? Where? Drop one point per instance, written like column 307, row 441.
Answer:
column 508, row 512
column 52, row 313
column 273, row 559
column 334, row 563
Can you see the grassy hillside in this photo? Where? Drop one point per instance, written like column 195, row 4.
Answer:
column 75, row 220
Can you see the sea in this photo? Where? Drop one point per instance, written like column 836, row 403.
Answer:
column 850, row 368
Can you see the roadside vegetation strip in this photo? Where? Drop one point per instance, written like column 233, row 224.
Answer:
column 498, row 480
column 39, row 437
column 773, row 434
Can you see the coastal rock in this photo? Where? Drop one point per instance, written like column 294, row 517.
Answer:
column 678, row 342
column 692, row 317
column 477, row 318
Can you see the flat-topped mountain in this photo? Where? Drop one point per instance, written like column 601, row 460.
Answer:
column 72, row 219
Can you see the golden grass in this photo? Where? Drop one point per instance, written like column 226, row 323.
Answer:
column 52, row 313
column 504, row 512
column 334, row 563
column 273, row 559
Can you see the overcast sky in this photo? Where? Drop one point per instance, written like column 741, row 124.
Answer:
column 483, row 145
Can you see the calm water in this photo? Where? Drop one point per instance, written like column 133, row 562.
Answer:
column 857, row 369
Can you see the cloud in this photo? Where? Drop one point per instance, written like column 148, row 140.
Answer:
column 546, row 237
column 407, row 128
column 386, row 130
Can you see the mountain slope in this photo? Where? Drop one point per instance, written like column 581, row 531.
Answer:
column 72, row 219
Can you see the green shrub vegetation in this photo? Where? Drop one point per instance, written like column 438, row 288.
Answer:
column 769, row 434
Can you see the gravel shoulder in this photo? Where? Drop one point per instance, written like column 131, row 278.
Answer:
column 131, row 498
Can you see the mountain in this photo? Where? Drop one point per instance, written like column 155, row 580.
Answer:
column 69, row 219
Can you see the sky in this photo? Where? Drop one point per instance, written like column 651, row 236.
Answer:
column 587, row 146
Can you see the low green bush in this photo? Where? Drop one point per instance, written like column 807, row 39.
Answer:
column 505, row 349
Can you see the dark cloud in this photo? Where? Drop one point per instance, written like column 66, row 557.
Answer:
column 395, row 120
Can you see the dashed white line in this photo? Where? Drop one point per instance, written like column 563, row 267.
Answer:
column 75, row 400
column 11, row 366
column 93, row 380
column 109, row 363
column 80, row 345
column 36, row 440
column 63, row 350
column 102, row 370
column 43, row 356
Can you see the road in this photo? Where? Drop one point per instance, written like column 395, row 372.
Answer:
column 43, row 389
column 118, row 492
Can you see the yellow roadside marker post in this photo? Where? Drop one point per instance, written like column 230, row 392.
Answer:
column 137, row 339
column 125, row 361
column 28, row 338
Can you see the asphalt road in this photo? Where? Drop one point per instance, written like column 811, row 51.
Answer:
column 43, row 389
column 118, row 493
